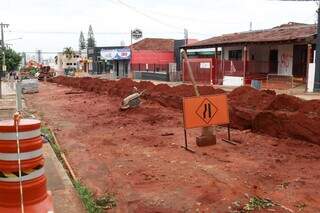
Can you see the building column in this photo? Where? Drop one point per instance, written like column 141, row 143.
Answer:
column 309, row 60
column 216, row 74
column 245, row 58
column 222, row 63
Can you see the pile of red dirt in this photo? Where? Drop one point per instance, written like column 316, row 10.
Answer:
column 310, row 107
column 249, row 97
column 245, row 103
column 276, row 115
column 262, row 111
column 283, row 124
column 285, row 102
column 162, row 93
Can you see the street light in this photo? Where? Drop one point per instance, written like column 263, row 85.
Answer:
column 13, row 39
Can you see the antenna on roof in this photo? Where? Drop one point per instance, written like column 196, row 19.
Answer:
column 250, row 26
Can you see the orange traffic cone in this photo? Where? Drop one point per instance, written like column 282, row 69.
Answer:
column 22, row 180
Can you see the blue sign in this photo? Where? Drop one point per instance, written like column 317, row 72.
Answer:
column 116, row 54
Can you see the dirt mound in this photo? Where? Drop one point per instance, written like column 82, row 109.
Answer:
column 161, row 88
column 145, row 85
column 249, row 97
column 162, row 93
column 123, row 87
column 288, row 124
column 172, row 96
column 183, row 90
column 241, row 117
column 311, row 107
column 263, row 111
column 285, row 102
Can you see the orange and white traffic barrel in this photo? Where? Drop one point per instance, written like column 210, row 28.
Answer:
column 22, row 178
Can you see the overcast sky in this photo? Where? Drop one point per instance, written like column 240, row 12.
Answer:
column 51, row 25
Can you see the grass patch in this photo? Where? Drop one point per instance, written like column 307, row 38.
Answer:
column 87, row 198
column 46, row 132
column 107, row 201
column 94, row 205
column 257, row 203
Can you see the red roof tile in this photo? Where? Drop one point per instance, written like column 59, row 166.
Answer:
column 286, row 32
column 156, row 44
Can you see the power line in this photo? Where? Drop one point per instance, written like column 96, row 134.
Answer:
column 67, row 32
column 102, row 33
column 145, row 14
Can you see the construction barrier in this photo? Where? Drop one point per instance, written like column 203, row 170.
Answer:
column 21, row 150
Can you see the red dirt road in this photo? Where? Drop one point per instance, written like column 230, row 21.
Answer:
column 126, row 153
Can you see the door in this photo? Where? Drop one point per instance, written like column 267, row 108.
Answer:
column 214, row 76
column 299, row 68
column 126, row 65
column 117, row 68
column 273, row 62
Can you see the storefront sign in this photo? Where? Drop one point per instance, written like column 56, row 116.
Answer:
column 115, row 54
column 136, row 34
column 205, row 65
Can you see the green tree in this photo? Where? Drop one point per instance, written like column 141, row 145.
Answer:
column 91, row 42
column 82, row 42
column 68, row 52
column 13, row 59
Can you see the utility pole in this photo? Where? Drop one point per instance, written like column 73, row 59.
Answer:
column 3, row 67
column 316, row 87
column 39, row 56
column 317, row 71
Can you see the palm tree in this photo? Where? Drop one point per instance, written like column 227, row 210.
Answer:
column 68, row 52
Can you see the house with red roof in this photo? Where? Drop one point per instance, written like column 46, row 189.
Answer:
column 282, row 53
column 156, row 58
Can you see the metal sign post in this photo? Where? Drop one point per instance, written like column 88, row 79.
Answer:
column 207, row 136
column 205, row 112
column 186, row 142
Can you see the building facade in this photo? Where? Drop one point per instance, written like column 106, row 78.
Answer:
column 283, row 51
column 114, row 61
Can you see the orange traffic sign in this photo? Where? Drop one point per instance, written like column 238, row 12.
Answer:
column 204, row 111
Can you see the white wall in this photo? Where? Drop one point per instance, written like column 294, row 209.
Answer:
column 285, row 59
column 63, row 60
column 311, row 76
column 260, row 63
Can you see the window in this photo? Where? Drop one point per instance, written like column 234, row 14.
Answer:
column 235, row 55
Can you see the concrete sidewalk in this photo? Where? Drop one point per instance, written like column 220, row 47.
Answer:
column 65, row 198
